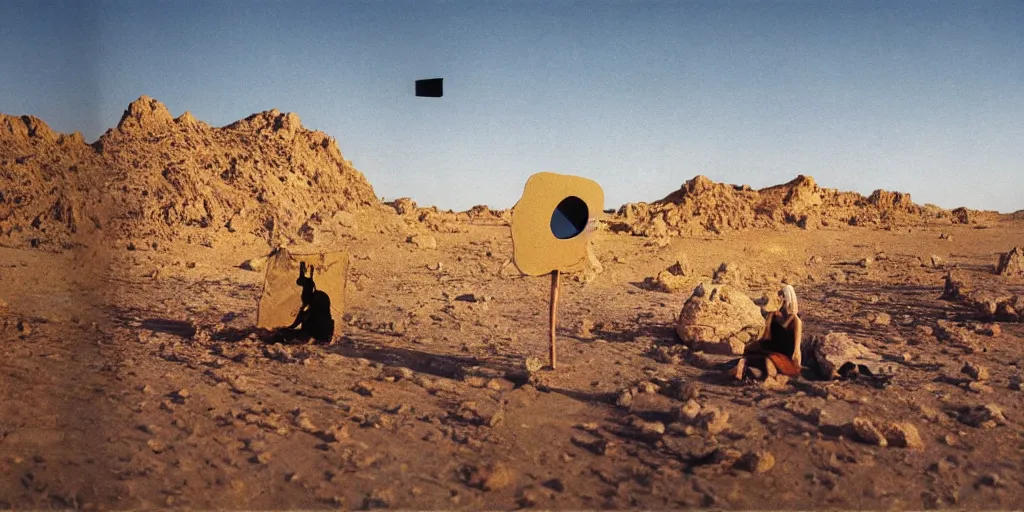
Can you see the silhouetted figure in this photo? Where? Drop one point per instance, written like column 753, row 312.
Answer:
column 315, row 314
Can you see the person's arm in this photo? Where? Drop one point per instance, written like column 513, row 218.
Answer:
column 798, row 333
column 298, row 317
column 766, row 332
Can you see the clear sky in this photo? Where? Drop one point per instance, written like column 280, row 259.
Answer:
column 923, row 97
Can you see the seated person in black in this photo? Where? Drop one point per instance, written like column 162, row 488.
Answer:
column 314, row 315
column 777, row 349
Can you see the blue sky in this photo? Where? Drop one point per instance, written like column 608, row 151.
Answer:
column 923, row 97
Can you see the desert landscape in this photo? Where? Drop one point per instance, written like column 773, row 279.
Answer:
column 133, row 377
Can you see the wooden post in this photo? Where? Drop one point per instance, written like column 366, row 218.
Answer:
column 554, row 307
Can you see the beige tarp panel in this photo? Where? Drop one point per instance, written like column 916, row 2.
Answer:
column 536, row 250
column 282, row 298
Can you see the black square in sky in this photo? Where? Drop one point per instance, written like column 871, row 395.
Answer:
column 429, row 88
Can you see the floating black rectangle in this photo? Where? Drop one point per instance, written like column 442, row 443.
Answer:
column 430, row 88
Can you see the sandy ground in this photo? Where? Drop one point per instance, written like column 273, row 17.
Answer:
column 131, row 391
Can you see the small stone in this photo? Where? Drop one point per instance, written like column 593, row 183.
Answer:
column 423, row 241
column 491, row 478
column 713, row 420
column 586, row 329
column 156, row 445
column 689, row 412
column 335, row 434
column 978, row 387
column 867, row 432
column 757, row 462
column 534, row 365
column 1015, row 382
column 648, row 388
column 650, row 428
column 364, row 388
column 555, row 484
column 904, row 435
column 949, row 440
column 625, row 399
column 989, row 330
column 976, row 372
column 990, row 480
column 398, row 372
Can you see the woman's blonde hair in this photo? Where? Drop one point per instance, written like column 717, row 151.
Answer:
column 789, row 302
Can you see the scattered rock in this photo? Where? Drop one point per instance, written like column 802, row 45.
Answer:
column 254, row 264
column 364, row 388
column 649, row 428
column 903, row 435
column 625, row 399
column 831, row 352
column 681, row 390
column 423, row 241
column 760, row 461
column 1011, row 263
column 398, row 373
column 989, row 480
column 956, row 287
column 667, row 282
column 983, row 416
column 480, row 414
column 976, row 372
column 534, row 365
column 720, row 320
column 936, row 261
column 728, row 273
column 989, row 330
column 24, row 329
column 867, row 432
column 713, row 420
column 681, row 267
column 586, row 329
column 688, row 413
column 491, row 477
column 156, row 445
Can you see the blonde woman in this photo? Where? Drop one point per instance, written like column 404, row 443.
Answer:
column 777, row 349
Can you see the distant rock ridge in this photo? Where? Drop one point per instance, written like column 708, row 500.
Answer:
column 704, row 205
column 153, row 175
column 156, row 177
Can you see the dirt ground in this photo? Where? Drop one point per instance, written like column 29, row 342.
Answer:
column 127, row 390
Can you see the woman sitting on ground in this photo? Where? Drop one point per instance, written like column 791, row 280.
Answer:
column 777, row 349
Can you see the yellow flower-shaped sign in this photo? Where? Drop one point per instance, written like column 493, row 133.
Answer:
column 550, row 223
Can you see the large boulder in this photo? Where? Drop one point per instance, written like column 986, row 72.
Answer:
column 1011, row 263
column 829, row 353
column 718, row 320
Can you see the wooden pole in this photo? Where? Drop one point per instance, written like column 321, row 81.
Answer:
column 554, row 307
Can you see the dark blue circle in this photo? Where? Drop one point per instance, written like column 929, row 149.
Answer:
column 569, row 218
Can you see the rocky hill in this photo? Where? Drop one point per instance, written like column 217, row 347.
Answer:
column 703, row 205
column 155, row 177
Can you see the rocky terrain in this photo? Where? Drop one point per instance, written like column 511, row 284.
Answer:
column 133, row 378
